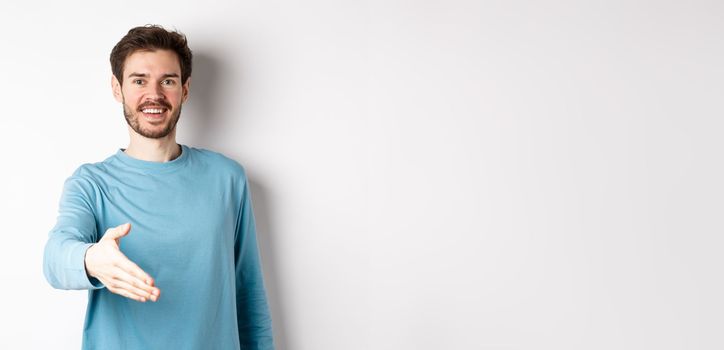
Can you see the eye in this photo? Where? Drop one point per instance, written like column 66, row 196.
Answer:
column 138, row 81
column 168, row 82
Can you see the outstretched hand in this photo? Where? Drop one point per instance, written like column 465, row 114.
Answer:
column 105, row 261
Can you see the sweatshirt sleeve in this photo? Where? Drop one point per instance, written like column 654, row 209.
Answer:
column 252, row 309
column 74, row 232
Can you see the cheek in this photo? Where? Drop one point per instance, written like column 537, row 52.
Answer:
column 176, row 98
column 132, row 99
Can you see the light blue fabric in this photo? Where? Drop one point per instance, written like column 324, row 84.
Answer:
column 192, row 230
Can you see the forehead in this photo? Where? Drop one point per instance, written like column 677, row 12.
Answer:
column 150, row 62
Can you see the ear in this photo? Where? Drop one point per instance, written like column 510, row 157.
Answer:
column 185, row 90
column 116, row 87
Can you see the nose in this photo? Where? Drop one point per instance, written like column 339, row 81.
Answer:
column 155, row 92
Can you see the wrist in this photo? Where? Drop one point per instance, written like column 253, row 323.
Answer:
column 85, row 261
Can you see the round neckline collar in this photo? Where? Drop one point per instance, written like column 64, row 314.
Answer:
column 150, row 165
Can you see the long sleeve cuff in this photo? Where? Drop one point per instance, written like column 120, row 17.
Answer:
column 70, row 272
column 89, row 282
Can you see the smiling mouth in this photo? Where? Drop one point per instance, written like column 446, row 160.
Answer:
column 154, row 113
column 153, row 110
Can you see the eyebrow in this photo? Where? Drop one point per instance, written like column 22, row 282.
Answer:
column 144, row 75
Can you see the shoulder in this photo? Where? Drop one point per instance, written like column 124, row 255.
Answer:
column 92, row 172
column 85, row 181
column 94, row 175
column 218, row 161
column 89, row 170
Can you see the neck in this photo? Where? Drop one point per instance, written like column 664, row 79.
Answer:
column 153, row 150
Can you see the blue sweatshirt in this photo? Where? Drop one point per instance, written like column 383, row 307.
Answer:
column 192, row 230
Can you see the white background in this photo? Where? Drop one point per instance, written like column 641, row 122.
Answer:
column 425, row 174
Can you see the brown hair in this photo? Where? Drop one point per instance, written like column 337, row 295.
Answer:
column 150, row 38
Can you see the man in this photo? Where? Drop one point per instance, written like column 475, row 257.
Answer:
column 161, row 234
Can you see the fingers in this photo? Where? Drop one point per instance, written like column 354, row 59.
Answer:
column 131, row 274
column 138, row 286
column 120, row 281
column 122, row 288
column 130, row 291
column 135, row 271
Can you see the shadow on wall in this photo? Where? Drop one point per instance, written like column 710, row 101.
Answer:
column 201, row 114
column 202, row 126
column 266, row 236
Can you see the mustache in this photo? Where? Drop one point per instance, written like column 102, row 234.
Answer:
column 154, row 104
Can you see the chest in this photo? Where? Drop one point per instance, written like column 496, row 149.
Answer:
column 174, row 218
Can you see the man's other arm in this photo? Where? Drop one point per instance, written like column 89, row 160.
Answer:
column 252, row 309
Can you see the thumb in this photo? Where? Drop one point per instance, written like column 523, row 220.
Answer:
column 118, row 231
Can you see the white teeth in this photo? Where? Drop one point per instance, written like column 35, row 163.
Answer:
column 152, row 110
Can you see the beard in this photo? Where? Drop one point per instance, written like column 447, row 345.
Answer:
column 132, row 118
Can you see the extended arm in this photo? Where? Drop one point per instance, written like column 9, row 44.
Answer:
column 74, row 232
column 76, row 258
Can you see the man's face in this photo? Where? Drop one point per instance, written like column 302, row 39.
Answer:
column 152, row 93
